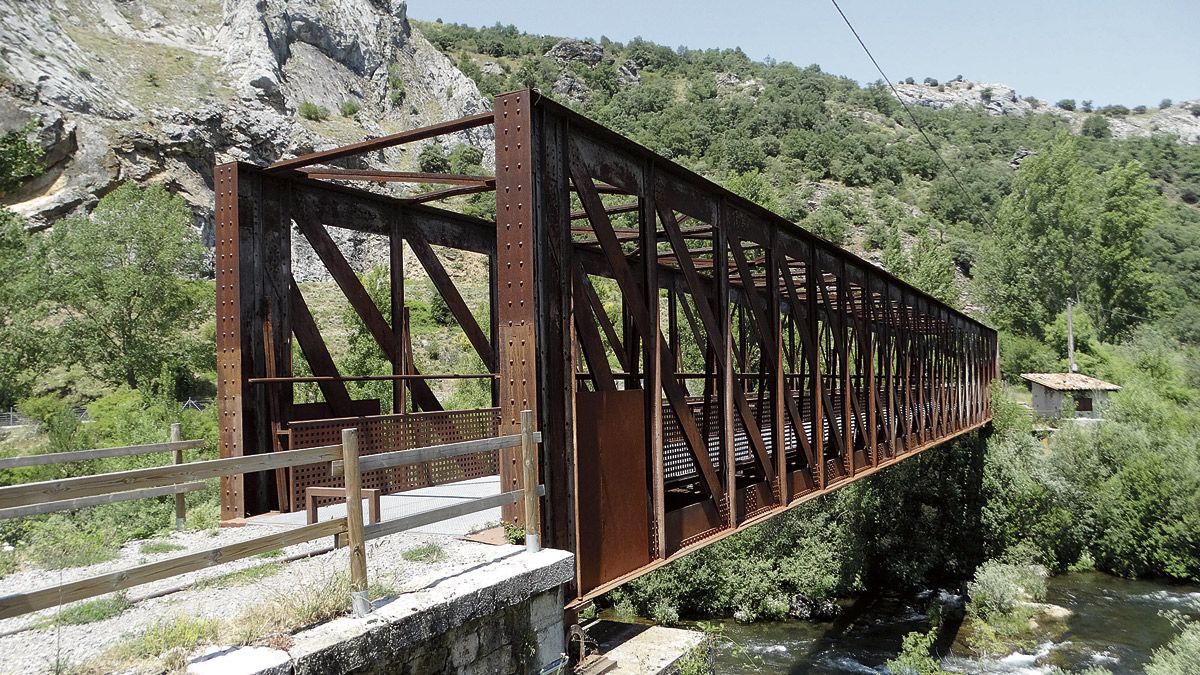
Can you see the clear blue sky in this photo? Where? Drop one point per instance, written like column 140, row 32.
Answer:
column 1131, row 52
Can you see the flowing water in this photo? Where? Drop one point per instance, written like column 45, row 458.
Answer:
column 1114, row 623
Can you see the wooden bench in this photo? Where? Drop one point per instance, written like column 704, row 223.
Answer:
column 312, row 493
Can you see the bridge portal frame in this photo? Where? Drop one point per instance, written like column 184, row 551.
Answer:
column 695, row 362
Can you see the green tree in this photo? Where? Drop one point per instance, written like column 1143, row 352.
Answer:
column 1096, row 126
column 22, row 342
column 124, row 281
column 1126, row 289
column 1039, row 254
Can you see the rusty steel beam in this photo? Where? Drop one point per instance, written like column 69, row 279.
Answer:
column 373, row 144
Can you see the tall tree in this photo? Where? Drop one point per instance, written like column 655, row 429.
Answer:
column 125, row 280
column 1125, row 288
column 22, row 343
column 1041, row 253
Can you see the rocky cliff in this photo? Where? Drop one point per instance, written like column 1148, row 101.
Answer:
column 1175, row 120
column 161, row 90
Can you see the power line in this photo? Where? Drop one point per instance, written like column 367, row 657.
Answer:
column 911, row 116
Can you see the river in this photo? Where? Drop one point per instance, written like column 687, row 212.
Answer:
column 1114, row 623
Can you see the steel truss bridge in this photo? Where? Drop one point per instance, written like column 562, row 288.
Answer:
column 696, row 363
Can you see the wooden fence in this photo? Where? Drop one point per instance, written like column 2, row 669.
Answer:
column 71, row 493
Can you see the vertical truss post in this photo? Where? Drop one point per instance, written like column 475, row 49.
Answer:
column 778, row 391
column 515, row 236
column 652, row 358
column 396, row 280
column 725, row 383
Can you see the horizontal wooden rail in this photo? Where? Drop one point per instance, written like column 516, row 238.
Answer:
column 22, row 603
column 84, row 502
column 88, row 486
column 385, row 460
column 100, row 453
column 394, row 525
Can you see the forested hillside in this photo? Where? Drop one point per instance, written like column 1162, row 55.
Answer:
column 849, row 163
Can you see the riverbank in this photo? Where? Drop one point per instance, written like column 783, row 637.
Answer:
column 1114, row 624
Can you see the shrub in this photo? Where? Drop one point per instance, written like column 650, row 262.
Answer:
column 828, row 222
column 1195, row 109
column 1086, row 106
column 151, row 77
column 909, row 80
column 664, row 614
column 433, row 159
column 311, row 111
column 1139, row 110
column 1096, row 127
column 1165, row 103
column 349, row 108
column 1000, row 603
column 1180, row 656
column 986, row 95
column 59, row 542
column 1066, row 104
column 931, row 82
column 396, row 92
column 915, row 656
column 20, row 158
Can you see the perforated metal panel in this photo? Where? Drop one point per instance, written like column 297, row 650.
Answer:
column 386, row 433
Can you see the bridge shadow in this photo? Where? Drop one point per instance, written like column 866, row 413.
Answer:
column 870, row 631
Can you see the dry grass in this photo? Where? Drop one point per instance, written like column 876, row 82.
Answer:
column 168, row 645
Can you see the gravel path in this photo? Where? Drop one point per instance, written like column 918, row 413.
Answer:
column 26, row 648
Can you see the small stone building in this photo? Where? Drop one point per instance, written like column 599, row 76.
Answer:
column 1052, row 390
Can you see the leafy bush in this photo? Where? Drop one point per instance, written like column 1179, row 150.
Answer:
column 311, row 111
column 1180, row 656
column 396, row 91
column 349, row 108
column 433, row 159
column 60, row 541
column 1096, row 127
column 1066, row 104
column 20, row 158
column 915, row 656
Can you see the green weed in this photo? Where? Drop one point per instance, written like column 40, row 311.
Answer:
column 90, row 611
column 156, row 547
column 429, row 553
column 242, row 577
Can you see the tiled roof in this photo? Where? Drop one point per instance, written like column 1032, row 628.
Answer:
column 1070, row 382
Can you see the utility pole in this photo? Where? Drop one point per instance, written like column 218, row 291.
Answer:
column 1072, row 366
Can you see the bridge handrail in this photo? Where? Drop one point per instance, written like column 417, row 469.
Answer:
column 22, row 499
column 97, row 453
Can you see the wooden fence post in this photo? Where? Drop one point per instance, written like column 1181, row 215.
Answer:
column 180, row 504
column 529, row 459
column 354, row 524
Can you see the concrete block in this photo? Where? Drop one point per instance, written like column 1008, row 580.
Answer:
column 241, row 660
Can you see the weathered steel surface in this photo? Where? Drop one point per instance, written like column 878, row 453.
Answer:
column 614, row 529
column 695, row 362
